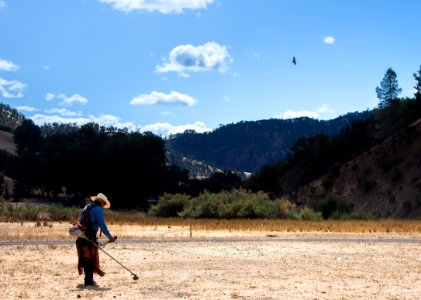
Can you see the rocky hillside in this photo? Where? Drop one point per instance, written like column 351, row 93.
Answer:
column 385, row 181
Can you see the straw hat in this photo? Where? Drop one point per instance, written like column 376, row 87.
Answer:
column 102, row 198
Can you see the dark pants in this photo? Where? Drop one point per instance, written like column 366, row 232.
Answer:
column 88, row 259
column 89, row 272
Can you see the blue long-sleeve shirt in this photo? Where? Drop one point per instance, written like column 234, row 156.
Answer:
column 96, row 217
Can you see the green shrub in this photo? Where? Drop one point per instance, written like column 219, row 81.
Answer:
column 334, row 207
column 169, row 205
column 285, row 209
column 237, row 203
column 308, row 214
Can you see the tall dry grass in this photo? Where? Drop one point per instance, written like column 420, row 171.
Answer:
column 398, row 226
column 162, row 228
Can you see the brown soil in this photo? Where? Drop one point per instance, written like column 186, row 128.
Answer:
column 257, row 268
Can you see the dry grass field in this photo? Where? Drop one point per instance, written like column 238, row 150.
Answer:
column 217, row 263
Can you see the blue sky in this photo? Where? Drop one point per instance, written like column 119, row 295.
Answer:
column 168, row 66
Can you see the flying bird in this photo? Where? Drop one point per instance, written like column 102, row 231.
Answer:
column 293, row 60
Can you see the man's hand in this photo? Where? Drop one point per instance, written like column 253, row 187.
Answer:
column 112, row 239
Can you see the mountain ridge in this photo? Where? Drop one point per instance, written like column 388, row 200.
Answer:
column 249, row 145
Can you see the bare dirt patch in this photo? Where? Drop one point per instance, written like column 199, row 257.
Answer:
column 248, row 265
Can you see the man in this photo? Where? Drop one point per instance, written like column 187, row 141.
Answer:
column 92, row 219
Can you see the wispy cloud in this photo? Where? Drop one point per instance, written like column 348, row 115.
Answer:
column 188, row 58
column 11, row 88
column 2, row 4
column 6, row 65
column 165, row 7
column 64, row 112
column 67, row 100
column 329, row 40
column 161, row 98
column 27, row 108
column 253, row 53
column 316, row 114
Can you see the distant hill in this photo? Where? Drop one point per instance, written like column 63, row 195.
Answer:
column 249, row 145
column 197, row 169
column 384, row 181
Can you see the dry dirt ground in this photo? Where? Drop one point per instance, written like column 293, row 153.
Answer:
column 222, row 265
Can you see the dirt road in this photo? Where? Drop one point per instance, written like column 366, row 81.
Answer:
column 286, row 267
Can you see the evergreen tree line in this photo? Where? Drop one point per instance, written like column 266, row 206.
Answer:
column 71, row 163
column 312, row 157
column 128, row 167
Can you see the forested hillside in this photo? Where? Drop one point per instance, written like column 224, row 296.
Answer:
column 249, row 145
column 384, row 182
column 10, row 118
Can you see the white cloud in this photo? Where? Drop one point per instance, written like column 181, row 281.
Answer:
column 316, row 114
column 188, row 58
column 2, row 4
column 11, row 88
column 104, row 120
column 27, row 108
column 107, row 120
column 49, row 96
column 75, row 99
column 329, row 40
column 291, row 114
column 166, row 129
column 110, row 120
column 161, row 98
column 41, row 119
column 6, row 65
column 64, row 112
column 163, row 6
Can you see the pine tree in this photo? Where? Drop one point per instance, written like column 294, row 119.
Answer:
column 389, row 89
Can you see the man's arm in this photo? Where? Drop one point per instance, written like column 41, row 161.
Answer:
column 99, row 217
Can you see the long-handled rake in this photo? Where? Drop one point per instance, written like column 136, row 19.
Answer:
column 135, row 277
